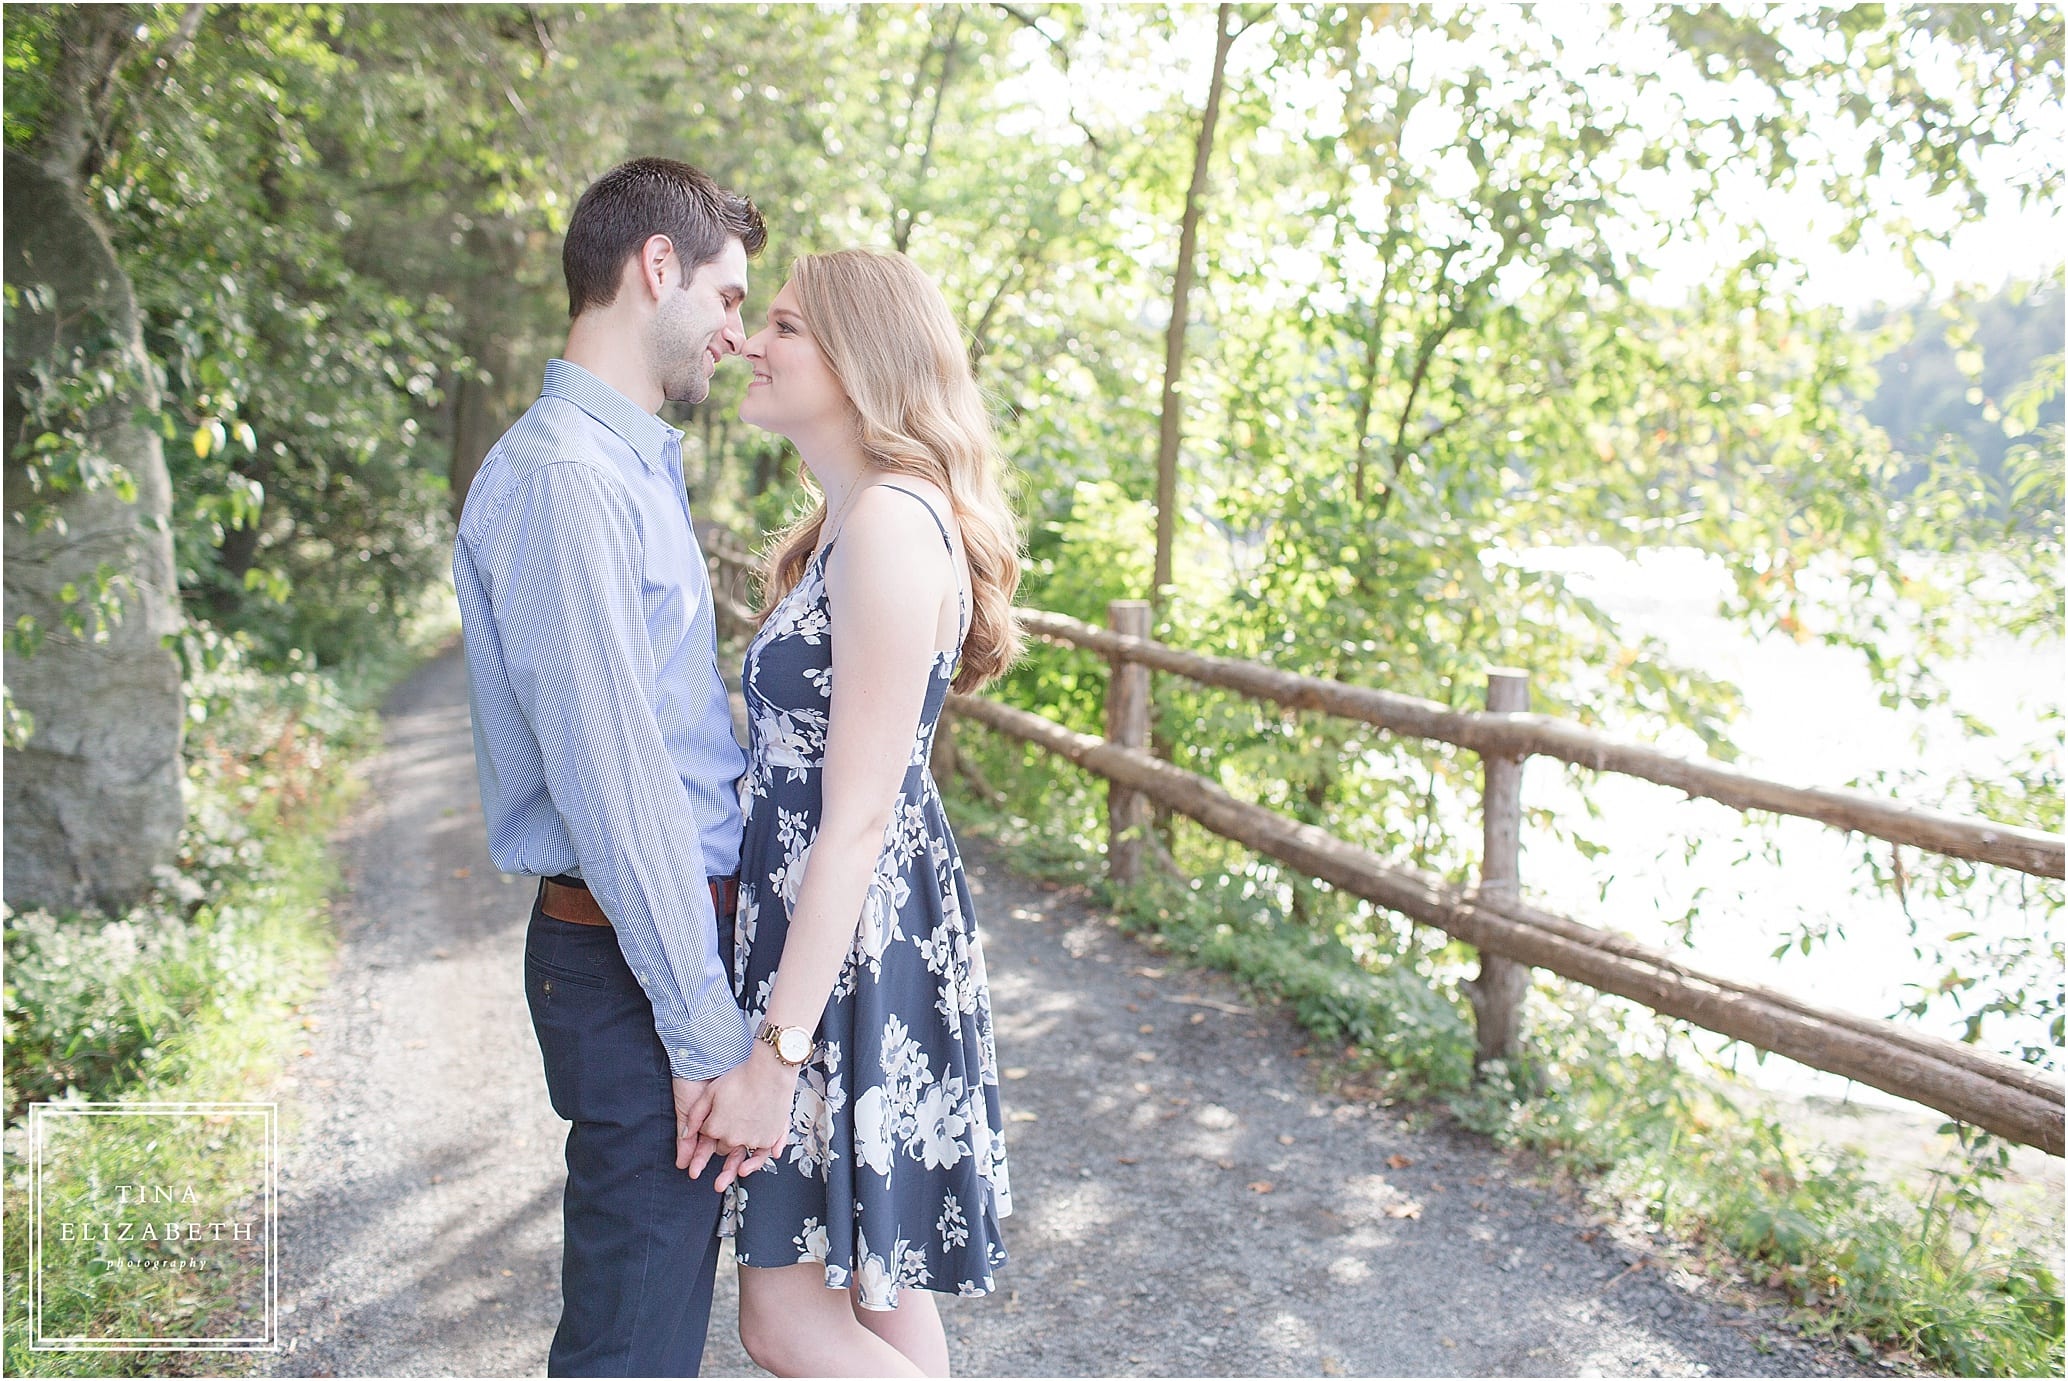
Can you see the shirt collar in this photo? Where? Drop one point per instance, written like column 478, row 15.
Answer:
column 645, row 433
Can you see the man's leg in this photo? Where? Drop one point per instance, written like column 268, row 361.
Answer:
column 641, row 1236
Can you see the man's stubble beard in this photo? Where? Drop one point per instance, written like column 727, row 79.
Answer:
column 679, row 362
column 691, row 391
column 691, row 382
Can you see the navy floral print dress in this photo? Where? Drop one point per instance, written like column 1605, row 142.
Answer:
column 894, row 1174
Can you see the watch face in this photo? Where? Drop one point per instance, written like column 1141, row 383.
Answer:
column 793, row 1044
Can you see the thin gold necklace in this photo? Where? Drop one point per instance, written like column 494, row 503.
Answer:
column 833, row 523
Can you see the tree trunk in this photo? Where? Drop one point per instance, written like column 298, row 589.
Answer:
column 1364, row 405
column 908, row 210
column 93, row 797
column 487, row 400
column 1169, row 427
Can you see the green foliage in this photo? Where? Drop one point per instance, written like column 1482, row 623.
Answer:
column 1969, row 960
column 310, row 502
column 1880, row 68
column 1390, row 1021
column 65, row 394
column 1693, row 1153
column 1460, row 362
column 1959, row 366
column 101, row 1005
column 67, row 398
column 193, row 994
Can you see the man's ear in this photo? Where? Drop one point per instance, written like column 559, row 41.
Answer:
column 652, row 265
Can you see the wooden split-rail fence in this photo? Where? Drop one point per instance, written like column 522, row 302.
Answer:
column 1998, row 1094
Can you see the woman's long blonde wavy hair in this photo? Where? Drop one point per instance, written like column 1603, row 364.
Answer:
column 891, row 341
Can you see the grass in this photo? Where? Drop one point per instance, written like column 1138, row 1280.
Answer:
column 204, row 1008
column 193, row 995
column 204, row 1171
column 1684, row 1151
column 1607, row 1095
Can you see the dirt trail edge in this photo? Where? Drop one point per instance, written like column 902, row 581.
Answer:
column 1188, row 1204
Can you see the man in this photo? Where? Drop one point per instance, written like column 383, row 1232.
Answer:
column 603, row 740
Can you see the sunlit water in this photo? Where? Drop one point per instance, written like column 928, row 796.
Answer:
column 1812, row 718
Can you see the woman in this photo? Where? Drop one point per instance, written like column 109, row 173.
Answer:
column 869, row 1109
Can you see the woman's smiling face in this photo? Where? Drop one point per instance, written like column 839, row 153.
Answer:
column 794, row 389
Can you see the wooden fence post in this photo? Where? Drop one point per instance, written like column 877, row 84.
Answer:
column 1498, row 990
column 1127, row 725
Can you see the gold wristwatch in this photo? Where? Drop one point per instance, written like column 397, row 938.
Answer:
column 791, row 1044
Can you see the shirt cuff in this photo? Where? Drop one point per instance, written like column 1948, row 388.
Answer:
column 707, row 1044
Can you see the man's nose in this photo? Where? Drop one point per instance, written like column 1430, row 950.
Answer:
column 734, row 335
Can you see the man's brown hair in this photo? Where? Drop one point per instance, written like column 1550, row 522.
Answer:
column 641, row 198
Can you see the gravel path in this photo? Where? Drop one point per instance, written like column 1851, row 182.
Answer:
column 1189, row 1204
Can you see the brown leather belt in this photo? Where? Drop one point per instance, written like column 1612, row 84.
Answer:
column 578, row 904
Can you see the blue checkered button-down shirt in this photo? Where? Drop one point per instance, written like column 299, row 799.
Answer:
column 602, row 731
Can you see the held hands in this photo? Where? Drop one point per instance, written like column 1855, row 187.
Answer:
column 746, row 1117
column 693, row 1148
column 692, row 1103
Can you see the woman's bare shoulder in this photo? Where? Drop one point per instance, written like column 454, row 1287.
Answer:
column 888, row 528
column 922, row 507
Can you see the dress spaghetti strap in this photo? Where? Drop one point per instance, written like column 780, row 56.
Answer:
column 961, row 597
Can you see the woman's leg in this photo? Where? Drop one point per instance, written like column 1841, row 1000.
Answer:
column 913, row 1328
column 793, row 1325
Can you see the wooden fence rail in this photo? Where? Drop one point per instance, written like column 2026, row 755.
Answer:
column 1991, row 1092
column 1520, row 735
column 2001, row 1095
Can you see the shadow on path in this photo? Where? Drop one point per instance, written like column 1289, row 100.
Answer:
column 1188, row 1204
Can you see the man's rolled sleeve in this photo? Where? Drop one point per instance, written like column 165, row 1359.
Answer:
column 581, row 666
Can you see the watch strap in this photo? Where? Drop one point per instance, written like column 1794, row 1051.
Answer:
column 771, row 1035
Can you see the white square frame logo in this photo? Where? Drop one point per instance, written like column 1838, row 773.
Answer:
column 266, row 1113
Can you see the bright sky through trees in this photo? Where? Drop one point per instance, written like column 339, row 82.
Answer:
column 1121, row 83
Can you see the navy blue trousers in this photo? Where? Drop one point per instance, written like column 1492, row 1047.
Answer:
column 641, row 1245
